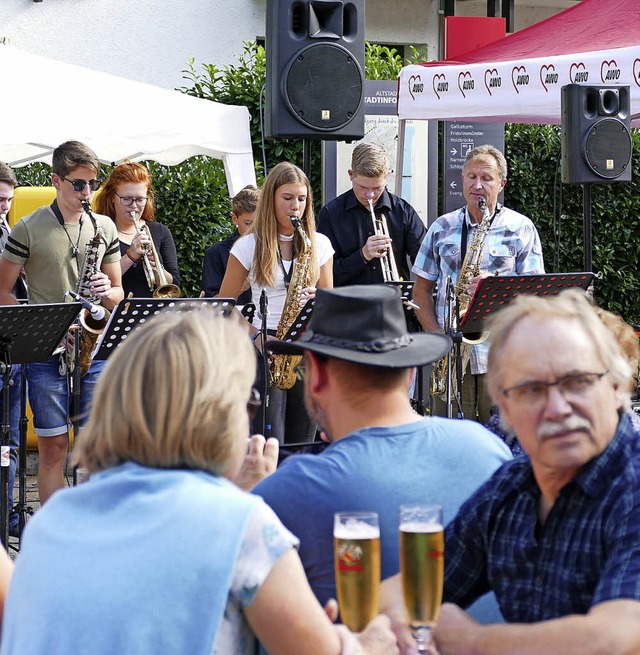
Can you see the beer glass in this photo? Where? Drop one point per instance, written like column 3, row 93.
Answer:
column 422, row 567
column 356, row 543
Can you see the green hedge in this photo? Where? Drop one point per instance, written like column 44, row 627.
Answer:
column 534, row 188
column 193, row 201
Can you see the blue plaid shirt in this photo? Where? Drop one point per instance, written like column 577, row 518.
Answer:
column 512, row 246
column 587, row 551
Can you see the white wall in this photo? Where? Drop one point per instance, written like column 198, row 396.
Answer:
column 145, row 40
column 151, row 40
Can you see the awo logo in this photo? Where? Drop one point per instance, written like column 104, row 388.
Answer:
column 609, row 72
column 440, row 84
column 636, row 71
column 492, row 80
column 415, row 86
column 519, row 77
column 578, row 73
column 466, row 83
column 548, row 76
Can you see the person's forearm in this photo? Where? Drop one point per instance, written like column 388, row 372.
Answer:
column 425, row 311
column 612, row 628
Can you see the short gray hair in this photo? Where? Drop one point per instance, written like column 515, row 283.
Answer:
column 569, row 304
column 490, row 151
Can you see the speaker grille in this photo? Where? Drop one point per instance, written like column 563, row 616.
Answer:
column 608, row 148
column 323, row 86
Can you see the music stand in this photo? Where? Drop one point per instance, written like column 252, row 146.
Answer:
column 494, row 293
column 28, row 334
column 132, row 312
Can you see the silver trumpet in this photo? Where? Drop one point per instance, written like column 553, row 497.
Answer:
column 156, row 277
column 387, row 261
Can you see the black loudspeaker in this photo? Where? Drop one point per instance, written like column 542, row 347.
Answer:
column 596, row 136
column 315, row 69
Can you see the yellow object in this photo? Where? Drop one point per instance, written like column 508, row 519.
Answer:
column 27, row 199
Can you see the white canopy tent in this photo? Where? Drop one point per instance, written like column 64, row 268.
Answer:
column 518, row 79
column 48, row 102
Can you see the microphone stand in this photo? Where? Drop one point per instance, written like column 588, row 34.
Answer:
column 264, row 312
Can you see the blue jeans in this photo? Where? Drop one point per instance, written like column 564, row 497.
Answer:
column 50, row 397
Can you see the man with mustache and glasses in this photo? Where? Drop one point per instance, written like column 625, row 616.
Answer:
column 555, row 534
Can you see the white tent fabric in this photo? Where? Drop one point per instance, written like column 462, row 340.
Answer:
column 518, row 79
column 48, row 102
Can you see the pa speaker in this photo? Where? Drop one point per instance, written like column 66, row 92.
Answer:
column 596, row 136
column 315, row 69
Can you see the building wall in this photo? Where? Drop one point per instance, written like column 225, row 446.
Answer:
column 152, row 40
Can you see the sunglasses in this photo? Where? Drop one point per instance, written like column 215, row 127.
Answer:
column 79, row 185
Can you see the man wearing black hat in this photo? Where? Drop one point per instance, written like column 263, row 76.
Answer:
column 358, row 366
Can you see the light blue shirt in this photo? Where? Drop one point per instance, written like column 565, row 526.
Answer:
column 511, row 247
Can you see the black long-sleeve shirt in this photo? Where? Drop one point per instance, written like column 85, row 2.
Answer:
column 348, row 225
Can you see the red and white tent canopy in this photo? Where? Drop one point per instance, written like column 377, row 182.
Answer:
column 518, row 79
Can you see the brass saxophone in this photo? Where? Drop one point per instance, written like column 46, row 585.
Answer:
column 90, row 329
column 282, row 368
column 470, row 269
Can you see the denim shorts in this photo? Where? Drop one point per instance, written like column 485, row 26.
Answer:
column 50, row 398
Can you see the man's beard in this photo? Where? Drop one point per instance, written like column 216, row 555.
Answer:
column 316, row 413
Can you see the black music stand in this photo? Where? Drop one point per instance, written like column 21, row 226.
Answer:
column 493, row 293
column 28, row 334
column 132, row 312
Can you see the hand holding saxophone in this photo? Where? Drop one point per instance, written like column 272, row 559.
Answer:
column 305, row 295
column 100, row 285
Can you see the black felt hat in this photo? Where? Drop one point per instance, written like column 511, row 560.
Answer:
column 365, row 324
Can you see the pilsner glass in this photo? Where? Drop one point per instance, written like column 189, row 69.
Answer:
column 356, row 542
column 422, row 567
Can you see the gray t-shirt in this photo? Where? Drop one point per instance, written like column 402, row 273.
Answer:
column 45, row 249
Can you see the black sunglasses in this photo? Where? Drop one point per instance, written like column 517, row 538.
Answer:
column 79, row 185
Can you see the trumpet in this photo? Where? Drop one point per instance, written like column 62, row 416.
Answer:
column 387, row 261
column 156, row 277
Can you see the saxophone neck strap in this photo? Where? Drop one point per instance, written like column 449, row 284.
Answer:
column 464, row 237
column 285, row 273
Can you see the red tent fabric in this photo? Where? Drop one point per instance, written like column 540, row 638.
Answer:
column 518, row 78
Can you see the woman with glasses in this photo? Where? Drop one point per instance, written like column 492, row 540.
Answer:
column 127, row 197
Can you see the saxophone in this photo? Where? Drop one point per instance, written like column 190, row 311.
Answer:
column 282, row 368
column 470, row 269
column 90, row 328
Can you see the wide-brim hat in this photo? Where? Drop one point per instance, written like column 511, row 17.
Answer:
column 365, row 324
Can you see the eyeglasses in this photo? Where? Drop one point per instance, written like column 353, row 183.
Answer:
column 572, row 387
column 127, row 201
column 79, row 185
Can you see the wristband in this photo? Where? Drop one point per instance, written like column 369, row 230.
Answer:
column 135, row 261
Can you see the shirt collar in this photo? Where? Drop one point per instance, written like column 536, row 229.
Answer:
column 384, row 201
column 595, row 477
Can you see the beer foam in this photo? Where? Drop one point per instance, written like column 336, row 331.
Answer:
column 417, row 526
column 354, row 529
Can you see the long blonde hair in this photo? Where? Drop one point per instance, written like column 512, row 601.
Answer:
column 265, row 226
column 173, row 395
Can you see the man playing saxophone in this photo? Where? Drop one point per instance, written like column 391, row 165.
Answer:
column 51, row 243
column 511, row 245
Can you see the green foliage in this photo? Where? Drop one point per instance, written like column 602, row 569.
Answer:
column 381, row 62
column 535, row 189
